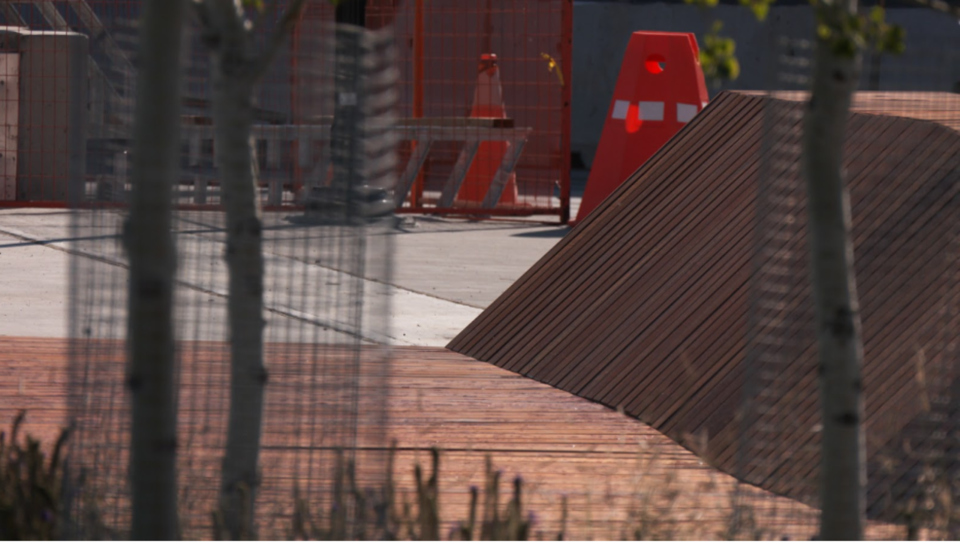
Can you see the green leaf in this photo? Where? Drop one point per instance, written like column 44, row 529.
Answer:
column 717, row 56
column 893, row 40
column 729, row 68
column 761, row 11
column 846, row 46
column 726, row 47
column 854, row 24
column 760, row 8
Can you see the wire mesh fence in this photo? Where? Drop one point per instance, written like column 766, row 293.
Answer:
column 324, row 445
column 503, row 62
column 490, row 141
column 327, row 429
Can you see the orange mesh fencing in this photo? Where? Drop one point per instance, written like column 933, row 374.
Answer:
column 472, row 142
column 457, row 130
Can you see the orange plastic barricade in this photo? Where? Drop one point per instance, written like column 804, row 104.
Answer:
column 660, row 88
column 487, row 103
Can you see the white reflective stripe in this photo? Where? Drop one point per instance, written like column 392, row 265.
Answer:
column 704, row 105
column 620, row 109
column 685, row 112
column 651, row 110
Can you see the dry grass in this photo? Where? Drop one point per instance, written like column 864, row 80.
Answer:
column 32, row 505
column 30, row 485
column 385, row 514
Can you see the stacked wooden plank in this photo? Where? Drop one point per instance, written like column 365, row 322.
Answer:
column 684, row 299
column 588, row 472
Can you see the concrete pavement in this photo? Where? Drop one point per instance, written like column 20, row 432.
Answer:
column 33, row 289
column 444, row 273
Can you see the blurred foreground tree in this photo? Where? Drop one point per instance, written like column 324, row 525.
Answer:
column 836, row 74
column 842, row 33
column 150, row 246
column 229, row 30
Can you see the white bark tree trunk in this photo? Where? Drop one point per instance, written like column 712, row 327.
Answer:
column 237, row 69
column 150, row 245
column 843, row 472
column 233, row 116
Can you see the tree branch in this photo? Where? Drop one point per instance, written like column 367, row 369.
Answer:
column 201, row 13
column 227, row 17
column 284, row 27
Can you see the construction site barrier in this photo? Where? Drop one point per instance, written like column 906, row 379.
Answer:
column 463, row 150
column 660, row 88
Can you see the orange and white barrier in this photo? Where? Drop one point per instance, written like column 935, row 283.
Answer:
column 660, row 89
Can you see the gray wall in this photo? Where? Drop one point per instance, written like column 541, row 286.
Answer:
column 601, row 31
column 53, row 116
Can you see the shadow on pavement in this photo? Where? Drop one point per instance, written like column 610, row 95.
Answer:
column 544, row 234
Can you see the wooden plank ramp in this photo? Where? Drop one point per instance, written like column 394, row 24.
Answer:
column 655, row 303
column 616, row 473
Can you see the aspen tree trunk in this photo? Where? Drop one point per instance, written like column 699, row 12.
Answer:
column 843, row 472
column 238, row 66
column 149, row 243
column 233, row 115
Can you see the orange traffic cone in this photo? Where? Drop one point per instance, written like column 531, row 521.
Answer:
column 487, row 103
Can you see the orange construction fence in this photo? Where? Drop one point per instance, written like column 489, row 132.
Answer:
column 484, row 103
column 464, row 147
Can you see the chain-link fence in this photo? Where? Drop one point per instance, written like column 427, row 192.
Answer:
column 488, row 141
column 324, row 446
column 325, row 440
